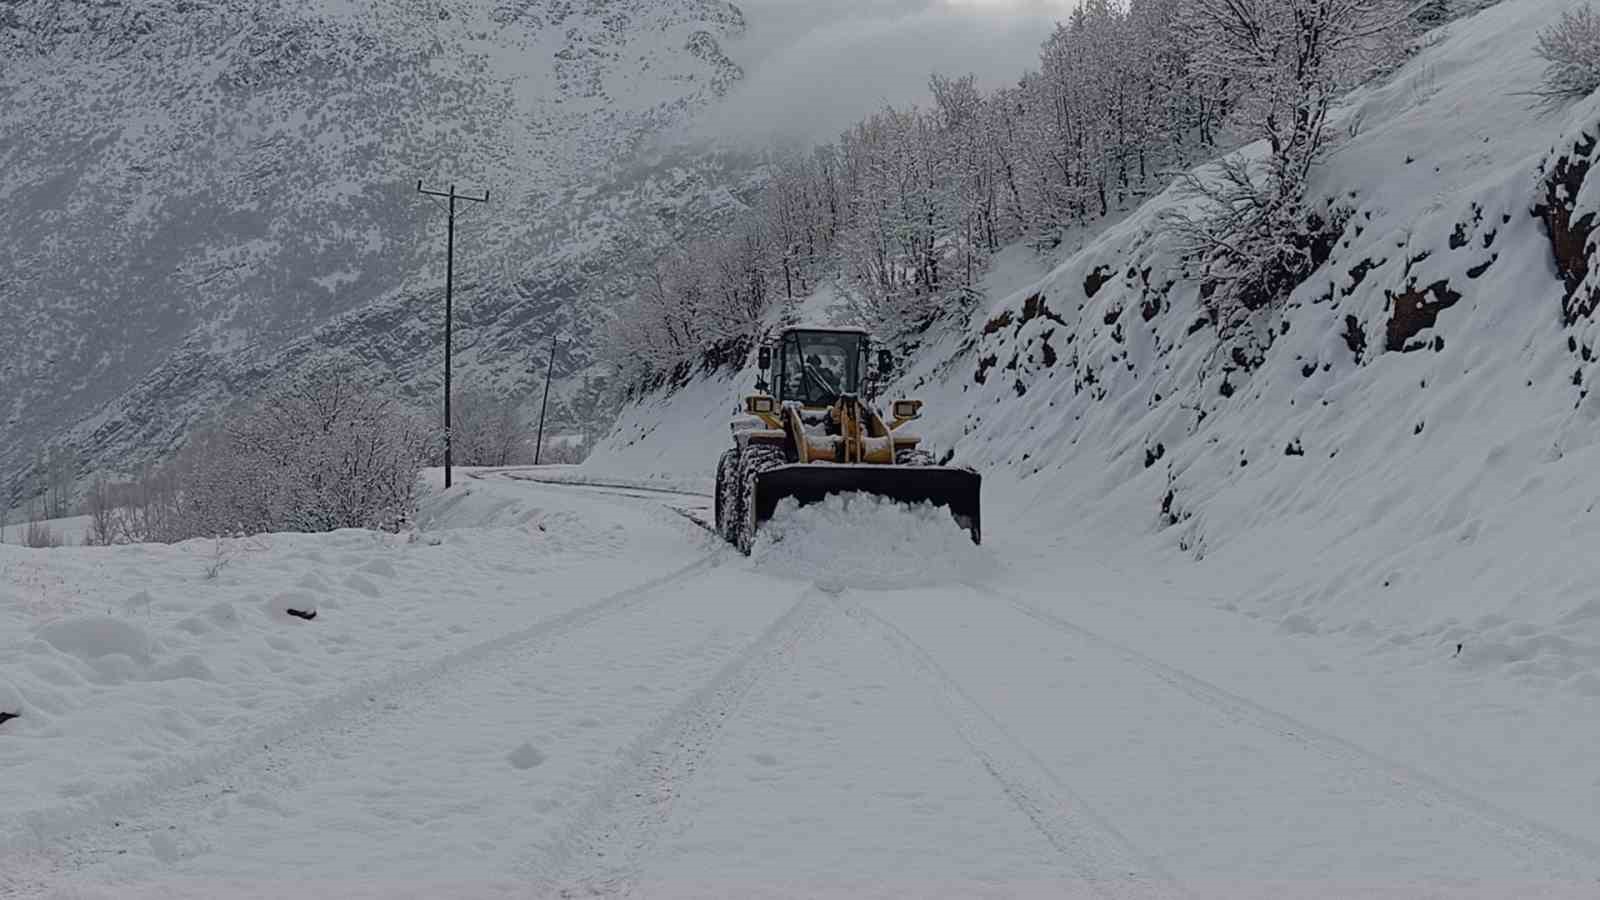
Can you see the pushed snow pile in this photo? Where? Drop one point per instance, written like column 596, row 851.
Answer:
column 857, row 540
column 94, row 637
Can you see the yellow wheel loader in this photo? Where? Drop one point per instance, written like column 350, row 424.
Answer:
column 807, row 434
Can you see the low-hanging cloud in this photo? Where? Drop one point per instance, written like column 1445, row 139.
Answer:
column 814, row 67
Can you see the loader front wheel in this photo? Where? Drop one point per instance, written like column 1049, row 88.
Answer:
column 755, row 460
column 730, row 497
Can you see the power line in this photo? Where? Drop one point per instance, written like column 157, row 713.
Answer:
column 449, row 280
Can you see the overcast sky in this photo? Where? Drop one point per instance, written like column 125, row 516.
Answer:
column 815, row 66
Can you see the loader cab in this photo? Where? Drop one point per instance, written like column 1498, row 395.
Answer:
column 815, row 367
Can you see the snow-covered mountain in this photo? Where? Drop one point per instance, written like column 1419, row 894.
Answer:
column 199, row 193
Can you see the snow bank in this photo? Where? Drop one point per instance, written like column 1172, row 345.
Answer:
column 864, row 541
column 673, row 439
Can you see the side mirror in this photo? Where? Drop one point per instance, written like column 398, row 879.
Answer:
column 764, row 357
column 885, row 361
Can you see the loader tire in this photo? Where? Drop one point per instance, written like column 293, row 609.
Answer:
column 755, row 460
column 913, row 457
column 730, row 497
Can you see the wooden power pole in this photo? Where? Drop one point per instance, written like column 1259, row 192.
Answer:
column 449, row 284
column 538, row 447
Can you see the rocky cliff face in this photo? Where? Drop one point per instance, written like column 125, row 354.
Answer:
column 200, row 193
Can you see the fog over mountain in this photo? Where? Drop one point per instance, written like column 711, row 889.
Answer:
column 814, row 68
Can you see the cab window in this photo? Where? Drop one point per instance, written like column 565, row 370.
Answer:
column 817, row 367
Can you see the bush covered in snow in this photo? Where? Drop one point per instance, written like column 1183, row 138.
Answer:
column 1280, row 65
column 324, row 451
column 40, row 536
column 1572, row 49
column 489, row 430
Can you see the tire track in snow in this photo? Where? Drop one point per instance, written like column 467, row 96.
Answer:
column 1103, row 858
column 42, row 830
column 604, row 847
column 652, row 496
column 1422, row 788
column 515, row 474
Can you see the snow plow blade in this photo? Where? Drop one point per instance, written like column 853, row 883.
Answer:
column 955, row 489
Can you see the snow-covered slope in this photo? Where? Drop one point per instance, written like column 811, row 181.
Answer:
column 197, row 195
column 1409, row 461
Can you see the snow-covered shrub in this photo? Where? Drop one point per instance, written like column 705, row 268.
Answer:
column 324, row 451
column 144, row 509
column 1572, row 49
column 98, row 505
column 1280, row 65
column 36, row 532
column 487, row 430
column 1254, row 244
column 49, row 484
column 562, row 453
column 40, row 536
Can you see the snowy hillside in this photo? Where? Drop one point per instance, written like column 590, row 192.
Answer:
column 1403, row 455
column 199, row 194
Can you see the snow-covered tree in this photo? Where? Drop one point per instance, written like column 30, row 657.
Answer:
column 325, row 450
column 488, row 430
column 1283, row 63
column 1571, row 48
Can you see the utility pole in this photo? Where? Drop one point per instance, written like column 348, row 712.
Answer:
column 449, row 283
column 538, row 447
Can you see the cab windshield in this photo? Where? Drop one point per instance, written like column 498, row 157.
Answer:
column 816, row 367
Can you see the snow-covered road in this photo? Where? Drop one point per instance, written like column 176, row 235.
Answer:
column 672, row 719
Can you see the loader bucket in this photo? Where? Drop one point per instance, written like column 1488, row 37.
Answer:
column 955, row 489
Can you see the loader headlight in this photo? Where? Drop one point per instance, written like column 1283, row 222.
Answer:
column 761, row 405
column 907, row 409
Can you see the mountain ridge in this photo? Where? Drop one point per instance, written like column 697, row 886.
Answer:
column 204, row 193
